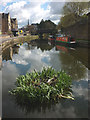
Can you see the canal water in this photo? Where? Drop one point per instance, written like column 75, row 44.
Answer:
column 22, row 58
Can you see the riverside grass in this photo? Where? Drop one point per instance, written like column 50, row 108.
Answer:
column 48, row 85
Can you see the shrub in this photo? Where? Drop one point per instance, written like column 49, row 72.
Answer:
column 45, row 86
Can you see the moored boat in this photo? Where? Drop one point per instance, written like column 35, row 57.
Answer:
column 66, row 40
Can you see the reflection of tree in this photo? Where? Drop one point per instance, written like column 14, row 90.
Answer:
column 30, row 45
column 72, row 66
column 81, row 54
column 15, row 49
column 28, row 106
column 43, row 45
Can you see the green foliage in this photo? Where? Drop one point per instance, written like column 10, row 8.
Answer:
column 77, row 8
column 45, row 86
column 68, row 20
column 48, row 26
column 72, row 13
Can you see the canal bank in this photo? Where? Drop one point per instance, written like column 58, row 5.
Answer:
column 15, row 40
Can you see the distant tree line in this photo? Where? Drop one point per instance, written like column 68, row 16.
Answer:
column 47, row 26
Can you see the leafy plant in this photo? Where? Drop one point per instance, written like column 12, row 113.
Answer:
column 45, row 86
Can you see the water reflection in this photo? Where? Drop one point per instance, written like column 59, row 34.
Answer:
column 36, row 54
column 63, row 109
column 28, row 107
column 8, row 53
column 72, row 66
column 24, row 58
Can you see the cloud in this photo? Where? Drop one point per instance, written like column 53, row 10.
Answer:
column 34, row 11
column 4, row 2
column 81, row 89
column 35, row 57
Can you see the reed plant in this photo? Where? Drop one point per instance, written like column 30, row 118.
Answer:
column 45, row 86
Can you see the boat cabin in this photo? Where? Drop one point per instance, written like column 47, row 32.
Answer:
column 63, row 38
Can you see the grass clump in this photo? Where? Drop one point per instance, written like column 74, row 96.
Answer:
column 45, row 86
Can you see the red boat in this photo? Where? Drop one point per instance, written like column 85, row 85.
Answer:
column 66, row 40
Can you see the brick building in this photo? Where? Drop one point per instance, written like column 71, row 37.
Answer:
column 0, row 23
column 14, row 24
column 7, row 24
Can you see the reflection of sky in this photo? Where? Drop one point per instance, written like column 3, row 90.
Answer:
column 35, row 58
column 27, row 60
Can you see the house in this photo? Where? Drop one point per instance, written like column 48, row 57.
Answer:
column 6, row 22
column 0, row 23
column 14, row 24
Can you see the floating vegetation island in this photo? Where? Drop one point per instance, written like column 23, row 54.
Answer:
column 46, row 86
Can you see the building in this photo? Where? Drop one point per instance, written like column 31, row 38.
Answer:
column 0, row 23
column 14, row 24
column 35, row 26
column 6, row 22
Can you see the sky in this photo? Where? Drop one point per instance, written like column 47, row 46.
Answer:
column 34, row 11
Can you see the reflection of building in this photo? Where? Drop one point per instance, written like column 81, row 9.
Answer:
column 15, row 49
column 8, row 53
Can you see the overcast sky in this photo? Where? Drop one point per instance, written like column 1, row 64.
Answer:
column 34, row 11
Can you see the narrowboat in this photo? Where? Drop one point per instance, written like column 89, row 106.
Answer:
column 66, row 40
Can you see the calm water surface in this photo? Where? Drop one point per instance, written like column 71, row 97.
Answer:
column 20, row 59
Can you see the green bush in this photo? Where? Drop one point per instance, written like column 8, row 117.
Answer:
column 45, row 86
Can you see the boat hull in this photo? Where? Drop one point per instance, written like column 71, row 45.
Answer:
column 67, row 44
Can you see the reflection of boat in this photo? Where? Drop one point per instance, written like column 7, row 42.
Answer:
column 62, row 48
column 66, row 40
